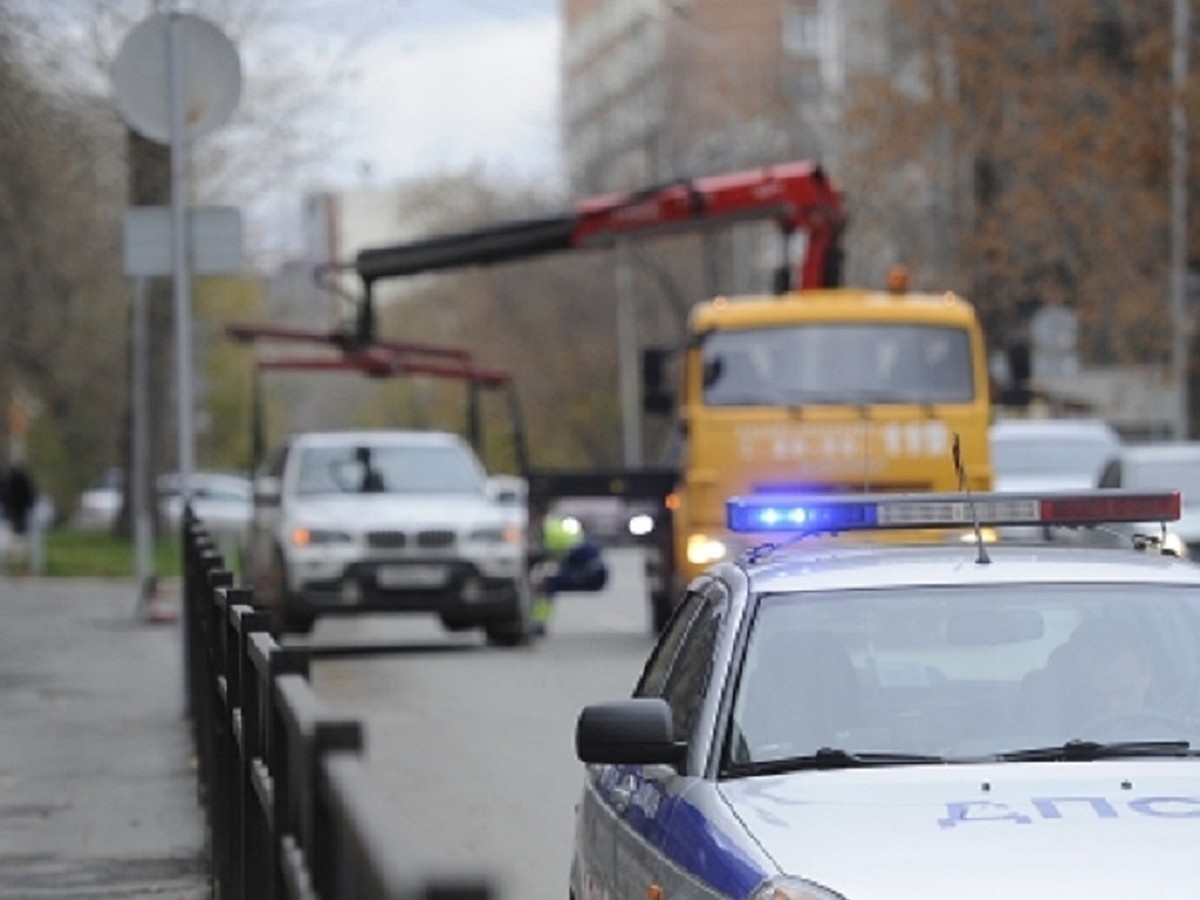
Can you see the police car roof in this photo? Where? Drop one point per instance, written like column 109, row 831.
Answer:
column 878, row 565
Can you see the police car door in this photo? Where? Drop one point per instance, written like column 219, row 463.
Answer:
column 680, row 671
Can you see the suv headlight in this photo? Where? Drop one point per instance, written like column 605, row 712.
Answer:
column 785, row 887
column 499, row 534
column 302, row 536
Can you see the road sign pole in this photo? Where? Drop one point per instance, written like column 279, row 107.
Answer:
column 176, row 66
column 143, row 522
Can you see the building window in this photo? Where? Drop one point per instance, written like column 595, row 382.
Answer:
column 802, row 28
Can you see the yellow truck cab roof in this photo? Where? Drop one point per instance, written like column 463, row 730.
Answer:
column 847, row 304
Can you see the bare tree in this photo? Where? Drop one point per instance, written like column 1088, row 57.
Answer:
column 1027, row 142
column 60, row 297
column 71, row 169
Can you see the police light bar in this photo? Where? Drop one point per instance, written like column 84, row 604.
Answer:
column 813, row 514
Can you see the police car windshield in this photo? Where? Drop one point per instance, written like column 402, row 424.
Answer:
column 960, row 673
column 838, row 363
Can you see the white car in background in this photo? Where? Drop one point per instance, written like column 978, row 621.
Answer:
column 1052, row 454
column 221, row 500
column 374, row 521
column 99, row 505
column 1168, row 465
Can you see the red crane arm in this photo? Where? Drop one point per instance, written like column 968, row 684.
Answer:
column 250, row 332
column 797, row 195
column 377, row 362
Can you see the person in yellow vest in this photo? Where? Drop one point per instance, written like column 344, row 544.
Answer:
column 571, row 561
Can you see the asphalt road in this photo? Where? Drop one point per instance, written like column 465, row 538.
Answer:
column 475, row 745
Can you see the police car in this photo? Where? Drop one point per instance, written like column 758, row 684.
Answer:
column 859, row 720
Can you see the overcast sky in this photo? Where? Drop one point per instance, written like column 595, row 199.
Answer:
column 446, row 84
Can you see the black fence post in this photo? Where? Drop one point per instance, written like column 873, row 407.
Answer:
column 252, row 801
column 280, row 661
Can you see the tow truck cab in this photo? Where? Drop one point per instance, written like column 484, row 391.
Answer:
column 819, row 391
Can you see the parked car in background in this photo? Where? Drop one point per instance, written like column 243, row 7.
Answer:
column 1052, row 454
column 376, row 521
column 98, row 506
column 222, row 501
column 1169, row 465
column 604, row 519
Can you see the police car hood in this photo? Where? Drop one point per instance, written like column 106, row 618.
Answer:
column 1113, row 829
column 362, row 512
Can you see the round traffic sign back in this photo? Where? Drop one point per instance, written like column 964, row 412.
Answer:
column 212, row 76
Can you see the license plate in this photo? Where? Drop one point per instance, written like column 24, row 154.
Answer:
column 410, row 576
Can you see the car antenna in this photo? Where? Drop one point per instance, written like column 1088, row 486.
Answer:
column 956, row 452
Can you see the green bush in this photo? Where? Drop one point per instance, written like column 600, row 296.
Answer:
column 91, row 554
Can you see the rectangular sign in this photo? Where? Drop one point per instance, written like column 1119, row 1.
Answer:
column 215, row 234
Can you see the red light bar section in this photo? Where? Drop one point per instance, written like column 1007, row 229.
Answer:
column 1102, row 507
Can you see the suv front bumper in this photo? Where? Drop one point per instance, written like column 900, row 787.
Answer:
column 455, row 589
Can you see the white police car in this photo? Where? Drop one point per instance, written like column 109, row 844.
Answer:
column 894, row 720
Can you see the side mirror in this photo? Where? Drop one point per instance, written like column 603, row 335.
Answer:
column 657, row 398
column 507, row 491
column 637, row 731
column 267, row 490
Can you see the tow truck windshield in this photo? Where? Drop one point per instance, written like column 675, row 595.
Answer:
column 831, row 363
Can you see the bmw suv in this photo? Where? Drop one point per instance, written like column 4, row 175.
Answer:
column 368, row 521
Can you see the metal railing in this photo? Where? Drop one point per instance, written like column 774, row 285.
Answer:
column 290, row 808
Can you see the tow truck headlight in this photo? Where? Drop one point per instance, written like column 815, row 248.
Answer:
column 786, row 888
column 704, row 550
column 303, row 536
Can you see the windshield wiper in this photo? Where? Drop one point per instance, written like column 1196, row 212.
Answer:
column 836, row 758
column 1086, row 751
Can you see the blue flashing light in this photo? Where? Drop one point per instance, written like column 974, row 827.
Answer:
column 793, row 515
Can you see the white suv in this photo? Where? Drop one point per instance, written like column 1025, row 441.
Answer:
column 361, row 521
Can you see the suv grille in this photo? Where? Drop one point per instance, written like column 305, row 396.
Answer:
column 435, row 540
column 387, row 540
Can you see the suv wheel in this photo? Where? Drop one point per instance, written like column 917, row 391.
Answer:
column 287, row 612
column 517, row 630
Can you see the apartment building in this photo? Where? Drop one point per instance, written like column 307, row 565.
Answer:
column 654, row 89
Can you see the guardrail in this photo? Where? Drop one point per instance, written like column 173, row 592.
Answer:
column 290, row 808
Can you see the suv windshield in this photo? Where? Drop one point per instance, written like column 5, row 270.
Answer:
column 444, row 469
column 967, row 671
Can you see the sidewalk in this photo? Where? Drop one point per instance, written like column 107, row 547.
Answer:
column 98, row 793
